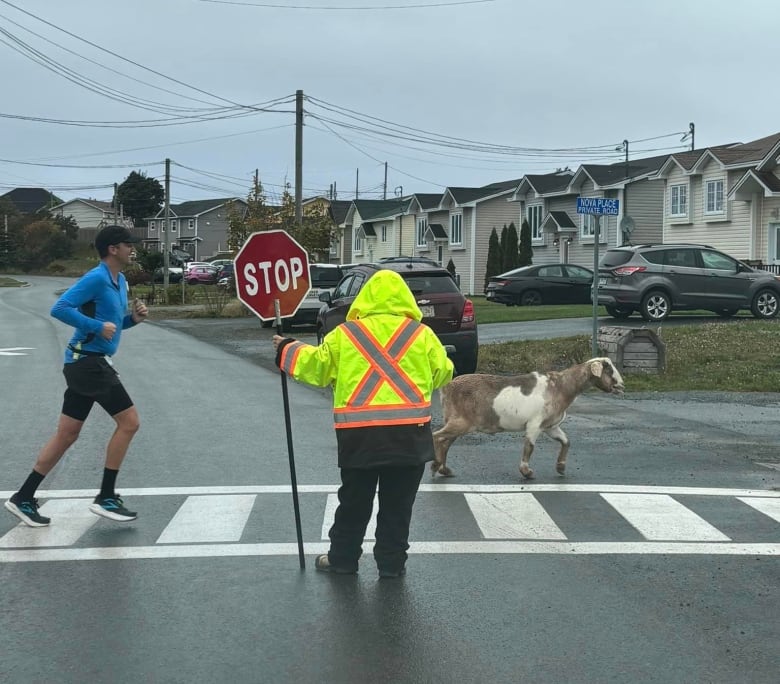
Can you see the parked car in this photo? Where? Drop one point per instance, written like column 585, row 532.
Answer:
column 206, row 264
column 179, row 257
column 219, row 263
column 174, row 274
column 545, row 284
column 658, row 279
column 201, row 274
column 225, row 275
column 324, row 278
column 444, row 308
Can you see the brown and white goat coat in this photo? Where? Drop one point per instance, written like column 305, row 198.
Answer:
column 533, row 403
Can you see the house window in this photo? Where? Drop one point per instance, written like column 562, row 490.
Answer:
column 191, row 224
column 383, row 233
column 152, row 225
column 422, row 227
column 533, row 215
column 357, row 243
column 456, row 229
column 714, row 197
column 588, row 225
column 678, row 195
column 174, row 226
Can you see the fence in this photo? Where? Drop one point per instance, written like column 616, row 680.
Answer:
column 772, row 268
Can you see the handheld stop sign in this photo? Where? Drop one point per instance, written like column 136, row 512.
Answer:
column 272, row 279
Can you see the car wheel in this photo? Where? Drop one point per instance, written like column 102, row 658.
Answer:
column 531, row 298
column 619, row 312
column 193, row 281
column 765, row 304
column 266, row 324
column 656, row 306
column 727, row 313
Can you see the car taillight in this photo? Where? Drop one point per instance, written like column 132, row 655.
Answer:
column 628, row 270
column 468, row 319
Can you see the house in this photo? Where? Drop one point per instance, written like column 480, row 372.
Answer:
column 91, row 215
column 30, row 200
column 199, row 227
column 373, row 229
column 727, row 197
column 468, row 216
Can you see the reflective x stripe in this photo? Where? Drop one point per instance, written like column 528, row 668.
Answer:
column 383, row 362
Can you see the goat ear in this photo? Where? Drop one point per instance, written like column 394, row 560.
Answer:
column 596, row 369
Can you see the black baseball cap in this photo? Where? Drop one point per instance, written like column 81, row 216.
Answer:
column 113, row 235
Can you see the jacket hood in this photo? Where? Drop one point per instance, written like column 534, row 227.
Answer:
column 386, row 292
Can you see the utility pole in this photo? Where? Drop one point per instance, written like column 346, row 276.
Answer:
column 167, row 225
column 692, row 133
column 116, row 206
column 357, row 176
column 335, row 196
column 384, row 192
column 298, row 157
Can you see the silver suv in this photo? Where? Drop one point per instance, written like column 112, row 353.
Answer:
column 657, row 279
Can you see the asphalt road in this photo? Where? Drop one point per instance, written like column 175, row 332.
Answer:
column 655, row 559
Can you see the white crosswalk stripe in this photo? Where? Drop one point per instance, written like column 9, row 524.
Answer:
column 209, row 519
column 512, row 516
column 511, row 521
column 74, row 519
column 658, row 517
column 770, row 507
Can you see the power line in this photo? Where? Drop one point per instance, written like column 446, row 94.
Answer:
column 268, row 5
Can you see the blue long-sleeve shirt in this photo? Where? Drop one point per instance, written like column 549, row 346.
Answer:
column 105, row 300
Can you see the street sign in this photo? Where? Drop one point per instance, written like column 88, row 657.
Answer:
column 598, row 206
column 272, row 266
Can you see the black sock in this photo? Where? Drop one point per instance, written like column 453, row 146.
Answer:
column 109, row 481
column 27, row 490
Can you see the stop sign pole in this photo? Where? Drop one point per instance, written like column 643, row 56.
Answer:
column 272, row 279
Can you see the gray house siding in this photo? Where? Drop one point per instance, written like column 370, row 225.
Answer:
column 645, row 205
column 495, row 213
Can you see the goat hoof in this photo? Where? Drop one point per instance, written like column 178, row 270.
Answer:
column 527, row 473
column 561, row 468
column 445, row 471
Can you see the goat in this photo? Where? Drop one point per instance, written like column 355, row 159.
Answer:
column 532, row 402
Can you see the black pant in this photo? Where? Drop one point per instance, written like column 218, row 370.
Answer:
column 397, row 491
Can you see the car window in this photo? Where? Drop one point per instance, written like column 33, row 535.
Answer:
column 615, row 257
column 425, row 283
column 685, row 258
column 324, row 277
column 656, row 257
column 551, row 272
column 718, row 261
column 343, row 287
column 579, row 272
column 356, row 284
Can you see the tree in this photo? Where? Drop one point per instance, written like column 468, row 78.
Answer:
column 525, row 252
column 140, row 196
column 316, row 230
column 509, row 256
column 42, row 242
column 257, row 216
column 493, row 266
column 68, row 225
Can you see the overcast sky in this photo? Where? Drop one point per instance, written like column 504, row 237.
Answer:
column 507, row 74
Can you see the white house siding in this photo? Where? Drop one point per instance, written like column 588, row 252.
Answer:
column 581, row 250
column 493, row 213
column 87, row 217
column 646, row 207
column 729, row 232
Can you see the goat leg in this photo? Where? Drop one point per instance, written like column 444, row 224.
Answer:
column 525, row 469
column 441, row 446
column 560, row 436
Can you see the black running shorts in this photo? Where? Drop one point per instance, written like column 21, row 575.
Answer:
column 93, row 380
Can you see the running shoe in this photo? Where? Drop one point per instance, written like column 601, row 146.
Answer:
column 113, row 508
column 27, row 511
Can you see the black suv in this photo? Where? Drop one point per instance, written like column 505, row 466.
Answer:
column 444, row 308
column 657, row 279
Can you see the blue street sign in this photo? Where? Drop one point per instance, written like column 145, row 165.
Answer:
column 598, row 205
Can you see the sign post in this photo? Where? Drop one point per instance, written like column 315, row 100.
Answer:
column 596, row 207
column 272, row 279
